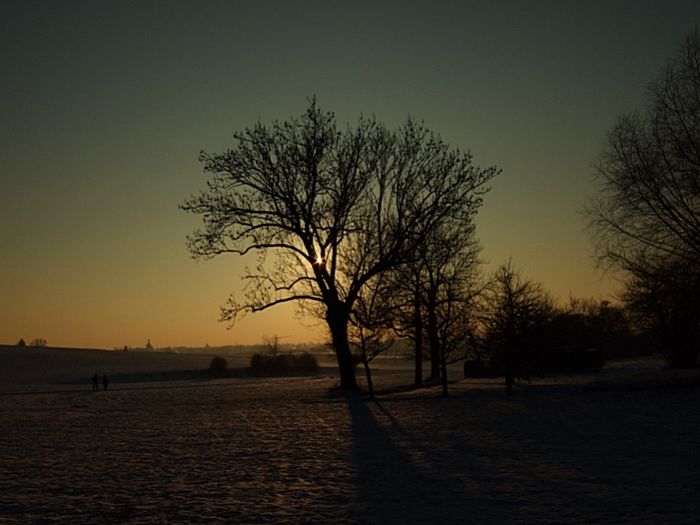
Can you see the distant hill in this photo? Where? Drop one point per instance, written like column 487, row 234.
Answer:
column 235, row 350
column 47, row 365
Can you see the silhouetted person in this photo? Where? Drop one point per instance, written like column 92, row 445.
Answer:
column 105, row 382
column 95, row 383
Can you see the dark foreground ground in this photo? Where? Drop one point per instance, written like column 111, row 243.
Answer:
column 284, row 451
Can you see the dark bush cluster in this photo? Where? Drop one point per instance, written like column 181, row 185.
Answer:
column 274, row 364
column 219, row 367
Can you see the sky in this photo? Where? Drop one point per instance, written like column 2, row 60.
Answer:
column 106, row 106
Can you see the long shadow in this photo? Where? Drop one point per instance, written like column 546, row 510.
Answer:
column 536, row 455
column 394, row 484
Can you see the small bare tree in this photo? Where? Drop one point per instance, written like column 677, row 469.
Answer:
column 407, row 319
column 455, row 307
column 434, row 295
column 371, row 324
column 450, row 271
column 512, row 308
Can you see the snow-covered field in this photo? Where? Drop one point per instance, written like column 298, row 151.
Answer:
column 285, row 451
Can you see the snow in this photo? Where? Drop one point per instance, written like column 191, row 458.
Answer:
column 602, row 449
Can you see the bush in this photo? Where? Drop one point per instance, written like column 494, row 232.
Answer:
column 218, row 367
column 306, row 361
column 476, row 368
column 274, row 364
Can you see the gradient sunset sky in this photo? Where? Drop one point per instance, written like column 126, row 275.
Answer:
column 106, row 105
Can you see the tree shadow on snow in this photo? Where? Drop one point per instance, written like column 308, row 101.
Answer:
column 396, row 479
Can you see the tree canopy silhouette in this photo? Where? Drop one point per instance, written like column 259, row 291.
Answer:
column 512, row 309
column 434, row 296
column 370, row 328
column 648, row 207
column 326, row 210
column 647, row 215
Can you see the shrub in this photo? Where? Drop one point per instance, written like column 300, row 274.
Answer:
column 218, row 367
column 307, row 362
column 274, row 364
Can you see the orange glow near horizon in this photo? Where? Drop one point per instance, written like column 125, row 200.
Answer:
column 96, row 162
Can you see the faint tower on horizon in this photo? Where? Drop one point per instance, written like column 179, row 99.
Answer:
column 149, row 346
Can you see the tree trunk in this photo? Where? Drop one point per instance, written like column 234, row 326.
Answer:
column 337, row 318
column 434, row 341
column 509, row 370
column 418, row 325
column 509, row 346
column 443, row 370
column 368, row 373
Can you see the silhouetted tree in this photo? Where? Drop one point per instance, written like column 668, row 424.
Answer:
column 456, row 325
column 446, row 286
column 665, row 302
column 593, row 324
column 407, row 311
column 337, row 208
column 647, row 214
column 433, row 295
column 21, row 342
column 419, row 317
column 449, row 285
column 513, row 309
column 38, row 342
column 371, row 324
column 648, row 208
column 416, row 309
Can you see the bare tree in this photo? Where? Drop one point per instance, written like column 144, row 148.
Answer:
column 446, row 277
column 371, row 324
column 648, row 207
column 450, row 270
column 647, row 216
column 512, row 308
column 326, row 211
column 407, row 319
column 417, row 327
column 665, row 302
column 451, row 309
column 433, row 296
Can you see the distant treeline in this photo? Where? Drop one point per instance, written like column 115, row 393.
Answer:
column 230, row 349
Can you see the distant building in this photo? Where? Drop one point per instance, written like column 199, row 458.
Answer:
column 149, row 347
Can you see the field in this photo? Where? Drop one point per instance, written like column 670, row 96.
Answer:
column 617, row 447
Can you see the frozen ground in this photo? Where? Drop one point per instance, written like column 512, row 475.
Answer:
column 284, row 451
